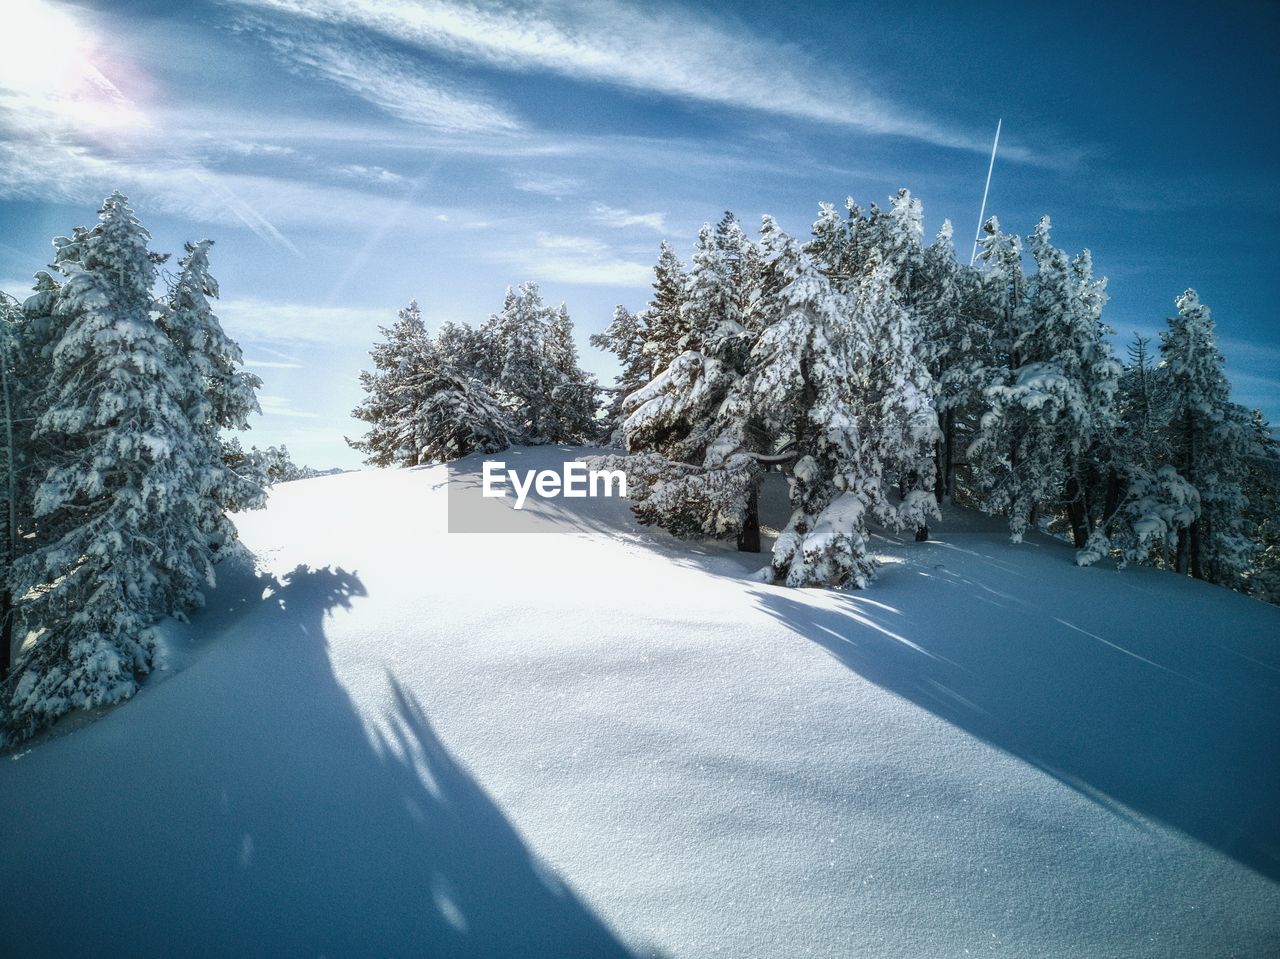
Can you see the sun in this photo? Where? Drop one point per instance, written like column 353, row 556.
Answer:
column 55, row 66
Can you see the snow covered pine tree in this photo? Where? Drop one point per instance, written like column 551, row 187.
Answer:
column 420, row 407
column 221, row 395
column 119, row 514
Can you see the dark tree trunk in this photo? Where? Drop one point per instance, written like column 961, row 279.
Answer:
column 1112, row 502
column 6, row 633
column 1077, row 514
column 922, row 534
column 1189, row 560
column 1196, row 551
column 949, row 462
column 749, row 538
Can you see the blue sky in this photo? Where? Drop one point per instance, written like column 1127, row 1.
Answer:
column 348, row 155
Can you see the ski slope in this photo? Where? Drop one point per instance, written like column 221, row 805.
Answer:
column 595, row 742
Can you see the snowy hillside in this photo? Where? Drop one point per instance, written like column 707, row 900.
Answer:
column 390, row 741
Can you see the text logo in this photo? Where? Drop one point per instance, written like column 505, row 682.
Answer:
column 574, row 480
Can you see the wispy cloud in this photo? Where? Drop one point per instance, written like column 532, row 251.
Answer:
column 395, row 84
column 271, row 364
column 667, row 52
column 282, row 406
column 612, row 216
column 371, row 174
column 552, row 185
column 260, row 321
column 576, row 259
column 246, row 149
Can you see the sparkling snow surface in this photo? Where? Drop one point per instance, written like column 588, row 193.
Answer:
column 600, row 742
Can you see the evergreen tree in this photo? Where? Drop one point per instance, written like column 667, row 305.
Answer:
column 1054, row 403
column 573, row 393
column 521, row 381
column 392, row 400
column 1262, row 489
column 899, row 427
column 1203, row 438
column 10, row 431
column 664, row 321
column 118, row 505
column 1147, row 502
column 457, row 415
column 221, row 394
column 957, row 350
column 421, row 408
column 803, row 386
column 624, row 338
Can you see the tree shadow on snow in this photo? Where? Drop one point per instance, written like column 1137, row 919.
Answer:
column 1143, row 709
column 246, row 808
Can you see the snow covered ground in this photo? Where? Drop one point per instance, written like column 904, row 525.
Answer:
column 597, row 742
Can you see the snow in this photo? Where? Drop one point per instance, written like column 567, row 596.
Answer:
column 596, row 742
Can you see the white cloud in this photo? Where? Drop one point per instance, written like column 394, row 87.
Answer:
column 395, row 84
column 562, row 258
column 247, row 149
column 272, row 364
column 260, row 321
column 371, row 174
column 282, row 406
column 612, row 216
column 556, row 187
column 659, row 52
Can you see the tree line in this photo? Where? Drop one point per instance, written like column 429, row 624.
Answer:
column 885, row 378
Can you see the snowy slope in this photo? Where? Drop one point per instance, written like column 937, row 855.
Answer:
column 598, row 742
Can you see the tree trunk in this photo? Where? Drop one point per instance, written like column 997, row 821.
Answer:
column 749, row 538
column 949, row 464
column 1112, row 502
column 6, row 633
column 1191, row 561
column 1076, row 512
column 1194, row 553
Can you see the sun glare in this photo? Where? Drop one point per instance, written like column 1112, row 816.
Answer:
column 54, row 65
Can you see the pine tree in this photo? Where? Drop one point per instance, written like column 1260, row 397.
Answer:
column 624, row 338
column 457, row 415
column 899, row 426
column 421, row 408
column 1054, row 403
column 1147, row 502
column 522, row 379
column 391, row 403
column 118, row 505
column 1262, row 489
column 10, row 431
column 573, row 393
column 803, row 386
column 667, row 334
column 221, row 394
column 956, row 344
column 1200, row 431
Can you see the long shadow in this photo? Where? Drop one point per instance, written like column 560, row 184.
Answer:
column 1139, row 705
column 1150, row 712
column 245, row 807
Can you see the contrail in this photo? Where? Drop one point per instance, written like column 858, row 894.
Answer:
column 985, row 190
